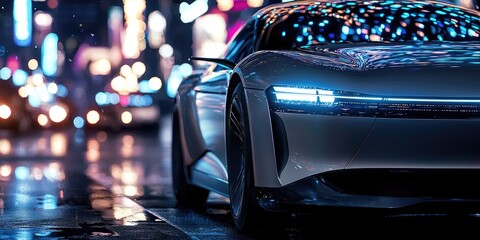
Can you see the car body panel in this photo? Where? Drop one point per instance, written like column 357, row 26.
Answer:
column 310, row 158
column 421, row 143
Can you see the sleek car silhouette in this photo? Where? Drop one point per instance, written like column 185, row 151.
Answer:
column 335, row 103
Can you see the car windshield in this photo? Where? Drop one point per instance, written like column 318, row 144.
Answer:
column 359, row 21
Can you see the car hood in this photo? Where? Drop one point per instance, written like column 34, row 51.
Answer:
column 446, row 69
column 372, row 56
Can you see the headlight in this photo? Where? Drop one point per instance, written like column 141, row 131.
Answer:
column 57, row 114
column 344, row 103
column 5, row 111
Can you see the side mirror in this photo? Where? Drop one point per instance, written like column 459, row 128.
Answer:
column 219, row 61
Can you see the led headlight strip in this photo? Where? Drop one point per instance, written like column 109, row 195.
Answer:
column 329, row 102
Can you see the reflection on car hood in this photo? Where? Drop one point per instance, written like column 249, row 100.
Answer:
column 371, row 56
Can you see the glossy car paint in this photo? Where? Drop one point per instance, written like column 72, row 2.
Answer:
column 320, row 144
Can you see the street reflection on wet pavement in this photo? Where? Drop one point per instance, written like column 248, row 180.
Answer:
column 75, row 184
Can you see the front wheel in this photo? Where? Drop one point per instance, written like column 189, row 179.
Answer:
column 244, row 207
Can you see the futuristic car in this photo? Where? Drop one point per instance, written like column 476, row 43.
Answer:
column 365, row 104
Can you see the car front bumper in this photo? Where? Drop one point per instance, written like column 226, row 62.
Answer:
column 377, row 189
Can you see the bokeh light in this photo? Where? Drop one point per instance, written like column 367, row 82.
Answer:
column 93, row 117
column 57, row 114
column 126, row 117
column 155, row 83
column 5, row 73
column 78, row 122
column 42, row 120
column 32, row 64
column 5, row 111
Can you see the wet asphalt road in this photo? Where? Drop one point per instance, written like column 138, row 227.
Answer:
column 68, row 184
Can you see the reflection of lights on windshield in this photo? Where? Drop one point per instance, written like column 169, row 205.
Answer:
column 22, row 173
column 58, row 144
column 126, row 117
column 5, row 170
column 78, row 122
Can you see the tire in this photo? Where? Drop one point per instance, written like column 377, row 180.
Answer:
column 244, row 208
column 185, row 193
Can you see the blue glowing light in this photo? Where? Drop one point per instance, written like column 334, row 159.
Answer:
column 34, row 100
column 113, row 98
column 101, row 98
column 22, row 173
column 312, row 96
column 49, row 54
column 144, row 87
column 62, row 90
column 19, row 77
column 22, row 22
column 49, row 202
column 5, row 73
column 78, row 122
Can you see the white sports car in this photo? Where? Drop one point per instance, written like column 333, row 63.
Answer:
column 369, row 104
